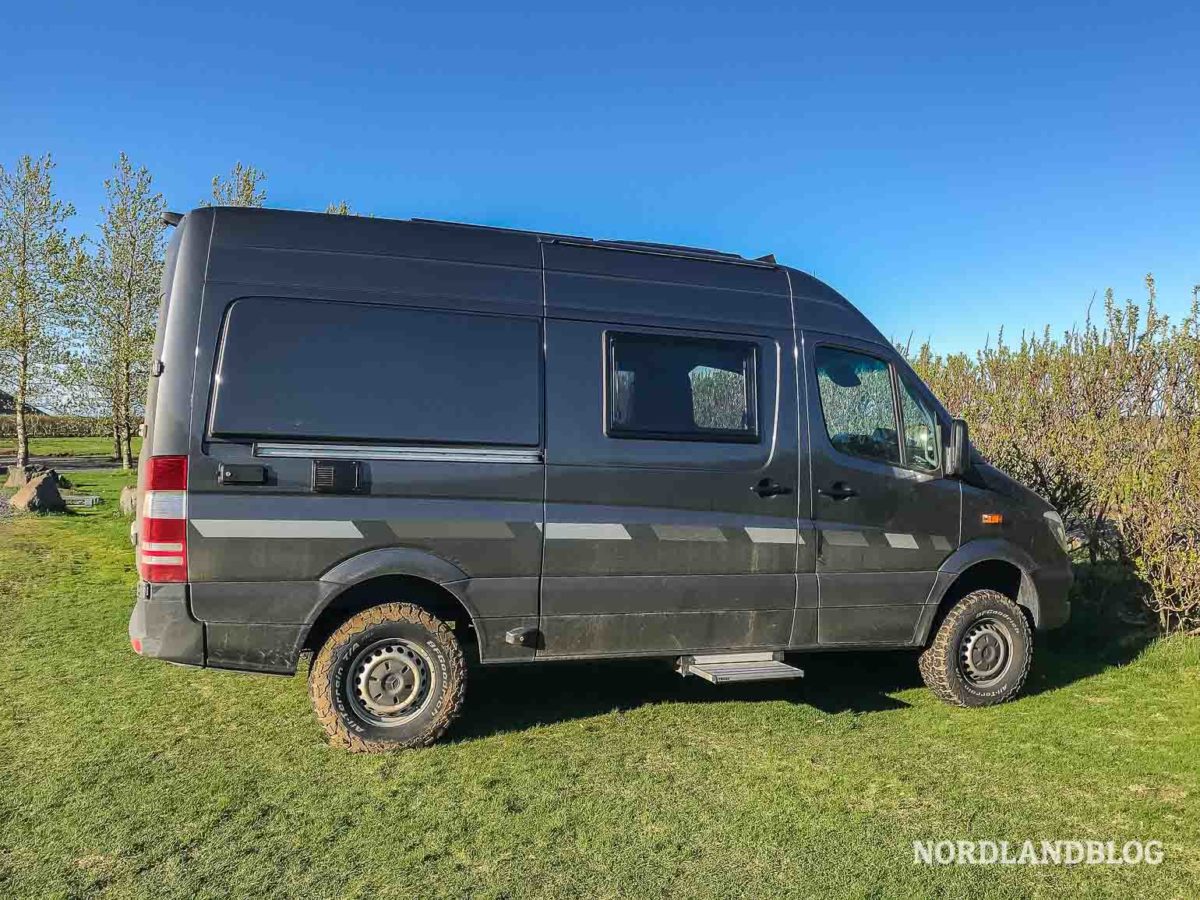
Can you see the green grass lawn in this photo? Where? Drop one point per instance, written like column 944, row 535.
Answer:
column 132, row 777
column 71, row 446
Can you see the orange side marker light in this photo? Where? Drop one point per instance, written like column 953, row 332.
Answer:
column 993, row 519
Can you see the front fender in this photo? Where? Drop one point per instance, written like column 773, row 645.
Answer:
column 970, row 554
column 984, row 549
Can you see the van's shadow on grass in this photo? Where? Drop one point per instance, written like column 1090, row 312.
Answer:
column 1083, row 649
column 520, row 696
column 512, row 698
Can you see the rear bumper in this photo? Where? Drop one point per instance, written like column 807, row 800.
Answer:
column 1053, row 584
column 162, row 625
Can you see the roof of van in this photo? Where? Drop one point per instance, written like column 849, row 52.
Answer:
column 283, row 218
column 244, row 228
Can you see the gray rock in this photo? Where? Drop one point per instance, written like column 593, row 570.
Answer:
column 40, row 494
column 128, row 500
column 19, row 477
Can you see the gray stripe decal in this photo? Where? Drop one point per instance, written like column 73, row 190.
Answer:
column 773, row 535
column 845, row 538
column 901, row 541
column 687, row 533
column 586, row 531
column 606, row 531
column 939, row 542
column 275, row 528
column 469, row 529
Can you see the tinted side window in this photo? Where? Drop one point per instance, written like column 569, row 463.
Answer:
column 675, row 388
column 920, row 430
column 856, row 397
column 317, row 370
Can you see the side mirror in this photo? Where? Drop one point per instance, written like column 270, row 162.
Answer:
column 958, row 449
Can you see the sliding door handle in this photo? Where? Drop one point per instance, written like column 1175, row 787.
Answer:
column 839, row 490
column 769, row 487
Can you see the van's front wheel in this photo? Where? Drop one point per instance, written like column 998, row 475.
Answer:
column 391, row 677
column 981, row 653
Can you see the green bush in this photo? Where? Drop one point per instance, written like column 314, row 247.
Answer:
column 56, row 426
column 1105, row 423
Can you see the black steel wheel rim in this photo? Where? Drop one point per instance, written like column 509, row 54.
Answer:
column 390, row 682
column 985, row 652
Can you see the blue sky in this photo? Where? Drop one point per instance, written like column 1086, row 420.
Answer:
column 952, row 169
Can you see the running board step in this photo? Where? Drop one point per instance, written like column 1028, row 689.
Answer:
column 725, row 668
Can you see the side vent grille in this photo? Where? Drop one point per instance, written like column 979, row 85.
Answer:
column 337, row 476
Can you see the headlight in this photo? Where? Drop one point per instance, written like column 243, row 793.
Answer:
column 1055, row 523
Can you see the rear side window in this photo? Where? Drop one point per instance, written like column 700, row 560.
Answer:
column 315, row 370
column 856, row 398
column 679, row 388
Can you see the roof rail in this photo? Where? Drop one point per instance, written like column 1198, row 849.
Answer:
column 729, row 259
column 650, row 248
column 472, row 225
column 653, row 245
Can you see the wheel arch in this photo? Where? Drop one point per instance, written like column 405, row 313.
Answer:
column 994, row 564
column 386, row 574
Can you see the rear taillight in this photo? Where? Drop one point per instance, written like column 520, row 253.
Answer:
column 162, row 538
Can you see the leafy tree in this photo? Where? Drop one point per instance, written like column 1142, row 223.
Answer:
column 116, row 308
column 243, row 187
column 1104, row 422
column 341, row 208
column 35, row 266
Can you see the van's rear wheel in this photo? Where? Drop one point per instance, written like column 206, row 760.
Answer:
column 391, row 677
column 981, row 653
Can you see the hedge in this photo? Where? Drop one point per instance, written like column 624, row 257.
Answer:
column 1105, row 423
column 57, row 426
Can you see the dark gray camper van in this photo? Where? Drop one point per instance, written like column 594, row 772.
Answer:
column 397, row 444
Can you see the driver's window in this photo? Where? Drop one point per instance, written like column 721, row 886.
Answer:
column 920, row 430
column 856, row 397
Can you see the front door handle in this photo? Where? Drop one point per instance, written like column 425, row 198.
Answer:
column 839, row 490
column 769, row 487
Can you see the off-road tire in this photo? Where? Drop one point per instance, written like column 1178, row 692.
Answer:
column 942, row 666
column 329, row 673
